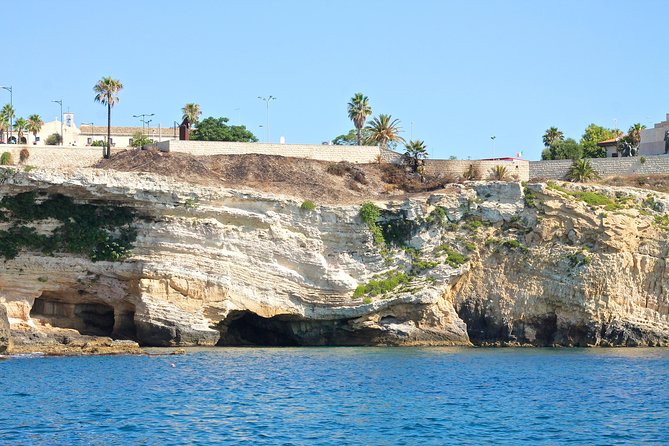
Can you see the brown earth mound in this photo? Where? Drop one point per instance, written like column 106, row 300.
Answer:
column 320, row 181
column 658, row 183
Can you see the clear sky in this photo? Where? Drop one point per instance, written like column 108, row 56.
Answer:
column 460, row 71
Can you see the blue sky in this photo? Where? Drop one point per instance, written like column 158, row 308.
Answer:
column 460, row 71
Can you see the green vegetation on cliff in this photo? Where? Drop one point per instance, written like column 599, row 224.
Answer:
column 96, row 232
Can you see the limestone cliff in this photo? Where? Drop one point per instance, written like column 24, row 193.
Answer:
column 142, row 257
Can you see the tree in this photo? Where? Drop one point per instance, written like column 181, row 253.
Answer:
column 106, row 91
column 358, row 110
column 416, row 152
column 581, row 171
column 629, row 144
column 568, row 149
column 348, row 139
column 594, row 134
column 6, row 115
column 139, row 140
column 35, row 124
column 20, row 126
column 53, row 139
column 191, row 113
column 212, row 129
column 634, row 134
column 552, row 136
column 383, row 130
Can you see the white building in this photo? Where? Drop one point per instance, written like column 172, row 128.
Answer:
column 87, row 134
column 652, row 140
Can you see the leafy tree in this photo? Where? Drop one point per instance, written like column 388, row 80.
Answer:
column 416, row 152
column 212, row 129
column 53, row 139
column 35, row 124
column 358, row 110
column 106, row 91
column 349, row 139
column 594, row 134
column 581, row 171
column 552, row 136
column 20, row 126
column 568, row 149
column 384, row 130
column 192, row 113
column 139, row 140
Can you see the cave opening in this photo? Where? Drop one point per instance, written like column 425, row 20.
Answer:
column 244, row 328
column 88, row 318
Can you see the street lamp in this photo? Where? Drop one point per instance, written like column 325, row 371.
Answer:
column 91, row 124
column 62, row 137
column 143, row 117
column 267, row 100
column 148, row 126
column 11, row 105
column 493, row 145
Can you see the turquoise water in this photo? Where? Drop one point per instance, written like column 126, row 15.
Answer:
column 340, row 396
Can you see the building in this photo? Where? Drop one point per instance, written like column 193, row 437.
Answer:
column 611, row 146
column 88, row 133
column 653, row 140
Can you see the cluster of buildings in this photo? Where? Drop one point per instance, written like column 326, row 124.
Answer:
column 654, row 141
column 85, row 135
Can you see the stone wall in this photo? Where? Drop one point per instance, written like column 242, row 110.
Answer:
column 456, row 168
column 56, row 156
column 353, row 154
column 605, row 167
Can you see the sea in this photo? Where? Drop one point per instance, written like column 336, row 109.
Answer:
column 339, row 396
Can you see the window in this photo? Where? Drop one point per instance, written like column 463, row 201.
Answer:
column 89, row 141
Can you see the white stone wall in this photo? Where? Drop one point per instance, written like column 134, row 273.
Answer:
column 652, row 141
column 605, row 167
column 56, row 156
column 353, row 154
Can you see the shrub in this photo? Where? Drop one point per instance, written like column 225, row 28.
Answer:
column 53, row 139
column 642, row 160
column 581, row 171
column 381, row 286
column 369, row 213
column 98, row 143
column 499, row 173
column 6, row 159
column 453, row 258
column 472, row 173
column 308, row 205
column 24, row 154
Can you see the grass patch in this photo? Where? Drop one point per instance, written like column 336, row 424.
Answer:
column 381, row 286
column 308, row 205
column 453, row 258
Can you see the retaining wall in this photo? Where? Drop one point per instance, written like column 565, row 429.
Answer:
column 353, row 154
column 605, row 167
column 56, row 156
column 456, row 168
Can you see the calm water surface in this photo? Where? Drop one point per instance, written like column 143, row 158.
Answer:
column 341, row 396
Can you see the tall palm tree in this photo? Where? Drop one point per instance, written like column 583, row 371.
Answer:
column 4, row 123
column 416, row 151
column 634, row 134
column 191, row 113
column 7, row 114
column 383, row 129
column 106, row 93
column 552, row 136
column 20, row 125
column 358, row 110
column 35, row 124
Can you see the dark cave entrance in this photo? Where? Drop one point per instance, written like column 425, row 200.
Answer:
column 88, row 318
column 244, row 328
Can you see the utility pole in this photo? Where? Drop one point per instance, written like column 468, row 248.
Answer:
column 267, row 101
column 62, row 137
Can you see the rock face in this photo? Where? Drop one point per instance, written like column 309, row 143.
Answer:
column 482, row 263
column 4, row 330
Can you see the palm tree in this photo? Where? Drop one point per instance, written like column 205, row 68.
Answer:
column 20, row 125
column 191, row 113
column 106, row 93
column 634, row 134
column 382, row 130
column 6, row 115
column 552, row 136
column 35, row 124
column 581, row 171
column 358, row 110
column 416, row 151
column 4, row 123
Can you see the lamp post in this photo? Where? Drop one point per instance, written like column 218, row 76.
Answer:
column 148, row 126
column 267, row 101
column 91, row 124
column 143, row 117
column 11, row 105
column 493, row 145
column 62, row 137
